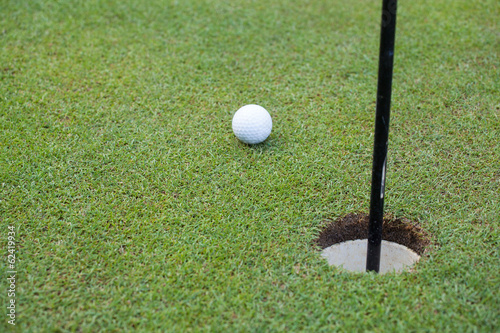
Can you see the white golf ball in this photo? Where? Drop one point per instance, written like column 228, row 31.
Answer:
column 252, row 124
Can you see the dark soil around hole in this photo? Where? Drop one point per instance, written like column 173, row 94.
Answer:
column 355, row 226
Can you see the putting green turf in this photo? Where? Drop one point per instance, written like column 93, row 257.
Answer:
column 136, row 209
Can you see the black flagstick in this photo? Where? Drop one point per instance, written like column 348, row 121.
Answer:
column 386, row 57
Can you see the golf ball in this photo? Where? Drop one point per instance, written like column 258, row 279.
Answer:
column 252, row 124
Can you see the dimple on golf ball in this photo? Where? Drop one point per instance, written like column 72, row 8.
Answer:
column 252, row 124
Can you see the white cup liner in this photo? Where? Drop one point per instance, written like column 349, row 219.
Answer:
column 351, row 256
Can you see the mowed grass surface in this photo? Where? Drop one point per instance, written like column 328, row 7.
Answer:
column 138, row 210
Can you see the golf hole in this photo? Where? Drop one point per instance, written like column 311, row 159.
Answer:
column 344, row 243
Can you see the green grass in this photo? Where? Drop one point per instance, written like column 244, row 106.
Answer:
column 137, row 209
